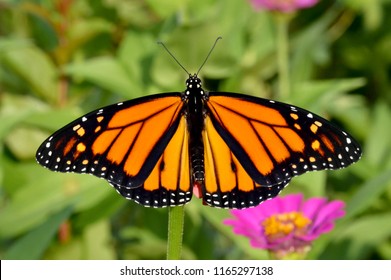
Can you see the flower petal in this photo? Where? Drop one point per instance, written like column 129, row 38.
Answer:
column 247, row 223
column 285, row 233
column 249, row 216
column 282, row 6
column 292, row 203
column 257, row 239
column 312, row 207
column 288, row 203
column 327, row 215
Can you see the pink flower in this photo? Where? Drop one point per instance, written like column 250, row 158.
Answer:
column 286, row 225
column 284, row 6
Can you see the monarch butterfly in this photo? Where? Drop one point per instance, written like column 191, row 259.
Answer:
column 237, row 150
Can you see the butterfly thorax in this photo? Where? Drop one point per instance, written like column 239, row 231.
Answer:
column 195, row 96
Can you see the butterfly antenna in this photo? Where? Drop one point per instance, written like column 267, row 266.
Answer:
column 207, row 57
column 164, row 46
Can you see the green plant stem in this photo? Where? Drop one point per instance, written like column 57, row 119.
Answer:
column 283, row 55
column 175, row 232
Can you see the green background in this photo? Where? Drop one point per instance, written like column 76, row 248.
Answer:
column 61, row 59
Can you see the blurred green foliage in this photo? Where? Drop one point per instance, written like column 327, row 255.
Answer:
column 60, row 59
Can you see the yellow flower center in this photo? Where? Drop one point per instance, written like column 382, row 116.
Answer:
column 281, row 225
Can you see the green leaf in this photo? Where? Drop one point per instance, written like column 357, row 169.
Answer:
column 85, row 29
column 372, row 11
column 33, row 244
column 112, row 203
column 40, row 197
column 145, row 244
column 378, row 144
column 94, row 243
column 367, row 193
column 360, row 238
column 33, row 66
column 58, row 118
column 166, row 8
column 324, row 92
column 308, row 46
column 14, row 110
column 23, row 142
column 135, row 54
column 97, row 239
column 105, row 72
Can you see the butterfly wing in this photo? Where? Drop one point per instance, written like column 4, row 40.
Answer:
column 275, row 141
column 227, row 184
column 126, row 144
column 169, row 182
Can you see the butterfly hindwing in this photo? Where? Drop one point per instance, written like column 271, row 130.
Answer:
column 275, row 141
column 121, row 143
column 169, row 182
column 227, row 184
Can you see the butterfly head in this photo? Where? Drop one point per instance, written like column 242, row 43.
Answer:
column 194, row 86
column 193, row 82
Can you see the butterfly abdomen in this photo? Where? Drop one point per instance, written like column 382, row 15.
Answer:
column 197, row 164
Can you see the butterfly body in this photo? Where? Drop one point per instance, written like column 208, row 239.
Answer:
column 195, row 98
column 238, row 150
